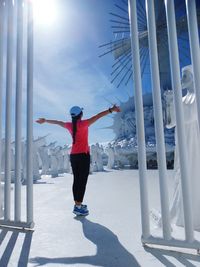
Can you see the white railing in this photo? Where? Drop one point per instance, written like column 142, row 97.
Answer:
column 147, row 237
column 15, row 40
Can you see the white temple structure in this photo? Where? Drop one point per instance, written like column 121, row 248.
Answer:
column 125, row 142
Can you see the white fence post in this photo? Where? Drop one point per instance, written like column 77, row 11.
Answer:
column 161, row 156
column 2, row 24
column 9, row 77
column 30, row 115
column 15, row 40
column 139, row 119
column 176, row 83
column 167, row 239
column 18, row 112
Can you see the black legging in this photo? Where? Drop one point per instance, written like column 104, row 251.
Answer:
column 80, row 167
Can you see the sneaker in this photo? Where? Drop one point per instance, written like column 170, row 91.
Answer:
column 82, row 211
column 84, row 207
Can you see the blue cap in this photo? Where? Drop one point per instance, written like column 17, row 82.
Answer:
column 75, row 111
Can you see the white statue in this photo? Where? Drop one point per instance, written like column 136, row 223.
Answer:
column 66, row 158
column 54, row 162
column 121, row 153
column 44, row 156
column 60, row 159
column 36, row 167
column 36, row 145
column 111, row 156
column 94, row 167
column 99, row 157
column 96, row 156
column 193, row 149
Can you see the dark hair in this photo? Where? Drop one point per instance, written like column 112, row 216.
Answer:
column 74, row 124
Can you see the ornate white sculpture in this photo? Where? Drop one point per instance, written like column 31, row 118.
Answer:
column 99, row 157
column 37, row 143
column 66, row 158
column 93, row 159
column 57, row 161
column 45, row 160
column 96, row 155
column 111, row 156
column 60, row 159
column 193, row 149
column 53, row 163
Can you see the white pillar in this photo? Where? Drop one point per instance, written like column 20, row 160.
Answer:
column 18, row 112
column 9, row 74
column 175, row 74
column 139, row 119
column 194, row 48
column 30, row 114
column 2, row 22
column 159, row 128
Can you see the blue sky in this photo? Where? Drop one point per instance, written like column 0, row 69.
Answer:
column 67, row 67
column 68, row 70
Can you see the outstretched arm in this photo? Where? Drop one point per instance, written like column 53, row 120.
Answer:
column 103, row 113
column 43, row 120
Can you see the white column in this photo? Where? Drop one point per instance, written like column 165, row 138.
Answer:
column 18, row 112
column 9, row 74
column 30, row 114
column 159, row 128
column 139, row 119
column 194, row 48
column 2, row 22
column 175, row 74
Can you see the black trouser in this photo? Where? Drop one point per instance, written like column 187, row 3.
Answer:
column 80, row 167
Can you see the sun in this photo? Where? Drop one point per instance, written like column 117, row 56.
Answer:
column 45, row 12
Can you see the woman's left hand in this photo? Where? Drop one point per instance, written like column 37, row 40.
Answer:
column 116, row 108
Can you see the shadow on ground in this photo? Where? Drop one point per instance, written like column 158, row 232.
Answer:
column 110, row 252
column 163, row 256
column 11, row 246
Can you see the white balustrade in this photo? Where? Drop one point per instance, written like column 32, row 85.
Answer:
column 147, row 236
column 15, row 40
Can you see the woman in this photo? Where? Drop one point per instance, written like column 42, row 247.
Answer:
column 80, row 153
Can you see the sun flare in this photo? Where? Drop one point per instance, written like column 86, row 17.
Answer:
column 45, row 12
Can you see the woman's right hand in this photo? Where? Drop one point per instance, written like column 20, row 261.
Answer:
column 41, row 120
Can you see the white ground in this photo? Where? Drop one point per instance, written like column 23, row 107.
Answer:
column 109, row 236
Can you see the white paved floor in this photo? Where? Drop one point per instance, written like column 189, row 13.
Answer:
column 109, row 236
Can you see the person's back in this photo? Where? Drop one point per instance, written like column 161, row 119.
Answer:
column 81, row 141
